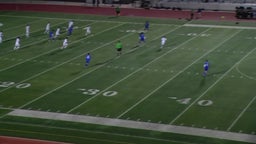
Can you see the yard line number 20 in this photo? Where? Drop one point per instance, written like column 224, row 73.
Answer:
column 7, row 84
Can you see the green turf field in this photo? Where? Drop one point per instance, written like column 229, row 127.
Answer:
column 145, row 83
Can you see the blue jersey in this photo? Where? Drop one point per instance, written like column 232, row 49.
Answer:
column 146, row 25
column 88, row 58
column 70, row 30
column 51, row 35
column 206, row 65
column 142, row 37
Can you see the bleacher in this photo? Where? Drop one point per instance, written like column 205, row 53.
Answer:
column 216, row 5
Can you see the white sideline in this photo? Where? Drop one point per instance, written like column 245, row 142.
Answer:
column 136, row 125
column 220, row 26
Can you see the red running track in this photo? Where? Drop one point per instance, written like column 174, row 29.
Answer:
column 110, row 11
column 14, row 140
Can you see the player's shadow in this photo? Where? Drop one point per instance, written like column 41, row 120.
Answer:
column 216, row 73
column 75, row 73
column 202, row 82
column 104, row 62
column 159, row 50
column 112, row 17
column 55, row 52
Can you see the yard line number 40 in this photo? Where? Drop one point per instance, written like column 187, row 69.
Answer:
column 188, row 100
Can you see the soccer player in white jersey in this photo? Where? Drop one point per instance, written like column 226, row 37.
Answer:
column 57, row 33
column 87, row 30
column 17, row 43
column 47, row 28
column 163, row 41
column 1, row 36
column 70, row 23
column 65, row 43
column 27, row 30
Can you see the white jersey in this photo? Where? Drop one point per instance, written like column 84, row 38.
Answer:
column 17, row 44
column 1, row 37
column 70, row 23
column 88, row 30
column 65, row 43
column 57, row 33
column 163, row 40
column 47, row 28
column 27, row 30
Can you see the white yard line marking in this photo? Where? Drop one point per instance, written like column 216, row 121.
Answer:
column 241, row 114
column 144, row 98
column 137, row 125
column 32, row 33
column 243, row 74
column 220, row 78
column 58, row 64
column 141, row 68
column 76, row 77
column 23, row 25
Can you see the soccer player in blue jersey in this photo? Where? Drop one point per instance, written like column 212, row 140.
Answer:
column 206, row 67
column 70, row 30
column 51, row 35
column 146, row 26
column 142, row 37
column 87, row 59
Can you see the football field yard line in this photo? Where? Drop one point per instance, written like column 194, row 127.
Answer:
column 241, row 114
column 22, row 25
column 219, row 79
column 78, row 76
column 141, row 68
column 163, row 84
column 243, row 74
column 56, row 65
column 9, row 52
column 31, row 32
column 201, row 132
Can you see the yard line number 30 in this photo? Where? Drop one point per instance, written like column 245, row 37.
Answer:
column 97, row 91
